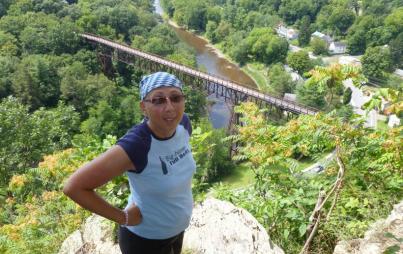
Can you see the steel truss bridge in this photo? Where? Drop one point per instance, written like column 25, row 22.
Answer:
column 231, row 91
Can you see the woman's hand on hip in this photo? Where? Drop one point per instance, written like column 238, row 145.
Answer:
column 134, row 215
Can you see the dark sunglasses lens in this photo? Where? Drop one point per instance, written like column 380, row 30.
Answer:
column 163, row 100
column 159, row 100
column 176, row 98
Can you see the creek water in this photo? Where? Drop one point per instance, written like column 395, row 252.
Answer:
column 210, row 61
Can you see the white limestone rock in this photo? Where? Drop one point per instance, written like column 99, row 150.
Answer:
column 374, row 241
column 218, row 227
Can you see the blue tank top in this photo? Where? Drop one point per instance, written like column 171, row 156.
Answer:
column 161, row 183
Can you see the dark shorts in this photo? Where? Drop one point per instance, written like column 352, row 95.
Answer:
column 130, row 243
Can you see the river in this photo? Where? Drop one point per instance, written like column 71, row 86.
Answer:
column 210, row 61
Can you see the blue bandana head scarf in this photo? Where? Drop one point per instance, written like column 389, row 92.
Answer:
column 156, row 80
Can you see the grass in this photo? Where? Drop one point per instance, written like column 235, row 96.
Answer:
column 258, row 74
column 241, row 176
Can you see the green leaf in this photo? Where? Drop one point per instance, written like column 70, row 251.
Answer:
column 286, row 233
column 392, row 249
column 302, row 230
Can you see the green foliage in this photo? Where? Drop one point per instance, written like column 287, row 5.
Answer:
column 311, row 96
column 396, row 50
column 36, row 216
column 36, row 82
column 341, row 19
column 7, row 68
column 195, row 103
column 394, row 21
column 377, row 62
column 329, row 81
column 300, row 61
column 319, row 46
column 293, row 10
column 192, row 15
column 8, row 44
column 280, row 81
column 266, row 47
column 304, row 36
column 25, row 137
column 83, row 91
column 211, row 154
column 283, row 198
column 113, row 118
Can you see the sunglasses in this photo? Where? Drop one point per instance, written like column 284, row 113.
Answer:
column 163, row 100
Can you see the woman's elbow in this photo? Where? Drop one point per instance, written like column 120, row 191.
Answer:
column 69, row 189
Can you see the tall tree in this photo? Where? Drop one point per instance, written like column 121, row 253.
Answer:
column 377, row 62
column 304, row 36
column 280, row 81
column 300, row 61
column 36, row 82
column 396, row 50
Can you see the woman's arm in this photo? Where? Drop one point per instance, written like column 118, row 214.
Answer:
column 81, row 185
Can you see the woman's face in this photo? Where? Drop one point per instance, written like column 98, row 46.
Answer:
column 164, row 108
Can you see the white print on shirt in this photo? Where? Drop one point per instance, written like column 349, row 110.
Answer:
column 173, row 158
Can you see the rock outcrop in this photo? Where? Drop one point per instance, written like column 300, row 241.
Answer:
column 217, row 227
column 375, row 241
column 94, row 237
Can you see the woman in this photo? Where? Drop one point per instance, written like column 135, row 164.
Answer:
column 157, row 157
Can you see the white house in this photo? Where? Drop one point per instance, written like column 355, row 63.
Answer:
column 322, row 36
column 393, row 121
column 337, row 47
column 288, row 33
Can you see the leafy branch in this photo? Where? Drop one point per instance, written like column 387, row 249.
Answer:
column 316, row 214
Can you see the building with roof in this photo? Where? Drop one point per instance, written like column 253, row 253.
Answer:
column 288, row 33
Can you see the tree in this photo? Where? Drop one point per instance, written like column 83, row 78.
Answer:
column 122, row 18
column 377, row 62
column 49, row 7
column 300, row 61
column 36, row 82
column 394, row 21
column 267, row 47
column 213, row 14
column 304, row 36
column 8, row 44
column 329, row 80
column 240, row 52
column 192, row 15
column 7, row 68
column 46, row 34
column 396, row 50
column 356, row 44
column 355, row 5
column 310, row 96
column 319, row 46
column 366, row 30
column 83, row 91
column 25, row 137
column 211, row 31
column 341, row 19
column 158, row 46
column 280, row 81
column 4, row 6
column 223, row 30
column 294, row 10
